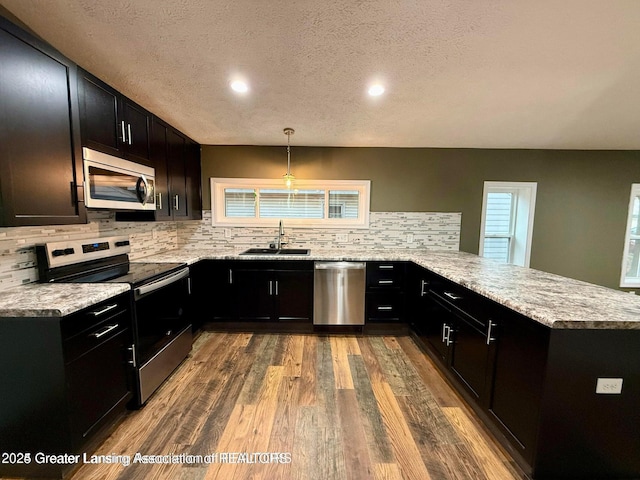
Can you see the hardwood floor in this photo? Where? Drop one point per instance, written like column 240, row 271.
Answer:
column 321, row 407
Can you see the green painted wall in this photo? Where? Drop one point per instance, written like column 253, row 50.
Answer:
column 582, row 196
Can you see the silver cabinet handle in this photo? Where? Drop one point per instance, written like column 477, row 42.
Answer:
column 276, row 288
column 385, row 308
column 97, row 313
column 423, row 283
column 447, row 338
column 270, row 287
column 129, row 132
column 106, row 330
column 385, row 282
column 230, row 277
column 124, row 133
column 452, row 296
column 385, row 267
column 489, row 332
column 159, row 206
column 444, row 332
column 176, row 203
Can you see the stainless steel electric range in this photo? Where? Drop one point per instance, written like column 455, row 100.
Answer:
column 162, row 332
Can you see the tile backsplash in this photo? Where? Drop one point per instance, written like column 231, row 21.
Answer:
column 17, row 244
column 437, row 231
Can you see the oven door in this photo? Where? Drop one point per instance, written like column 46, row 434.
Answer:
column 118, row 184
column 162, row 331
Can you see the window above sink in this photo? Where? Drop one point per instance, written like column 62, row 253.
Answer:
column 310, row 203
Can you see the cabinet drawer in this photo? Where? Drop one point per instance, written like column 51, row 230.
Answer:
column 385, row 275
column 457, row 299
column 91, row 327
column 385, row 306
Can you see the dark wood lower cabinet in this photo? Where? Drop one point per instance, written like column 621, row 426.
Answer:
column 535, row 386
column 257, row 291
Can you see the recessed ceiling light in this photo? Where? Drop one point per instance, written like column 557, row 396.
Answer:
column 376, row 90
column 239, row 86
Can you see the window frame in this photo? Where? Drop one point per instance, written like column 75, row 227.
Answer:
column 218, row 218
column 624, row 282
column 523, row 204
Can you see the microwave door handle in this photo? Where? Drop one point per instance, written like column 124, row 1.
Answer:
column 142, row 189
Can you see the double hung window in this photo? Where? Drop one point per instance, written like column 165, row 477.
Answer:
column 507, row 221
column 631, row 257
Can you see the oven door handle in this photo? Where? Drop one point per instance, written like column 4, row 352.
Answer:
column 152, row 287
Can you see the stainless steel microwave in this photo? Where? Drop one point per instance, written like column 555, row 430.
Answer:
column 118, row 184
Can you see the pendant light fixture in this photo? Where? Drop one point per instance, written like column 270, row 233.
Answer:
column 288, row 177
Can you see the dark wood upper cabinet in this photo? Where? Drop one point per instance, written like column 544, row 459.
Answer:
column 176, row 160
column 112, row 123
column 40, row 152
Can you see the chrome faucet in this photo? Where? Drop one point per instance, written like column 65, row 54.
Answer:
column 280, row 238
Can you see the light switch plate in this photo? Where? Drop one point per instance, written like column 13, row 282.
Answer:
column 609, row 386
column 342, row 237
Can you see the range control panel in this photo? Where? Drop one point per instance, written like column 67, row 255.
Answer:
column 68, row 252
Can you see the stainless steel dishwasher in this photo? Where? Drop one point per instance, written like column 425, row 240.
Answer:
column 338, row 293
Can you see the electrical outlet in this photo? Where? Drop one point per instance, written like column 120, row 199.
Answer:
column 227, row 233
column 342, row 237
column 610, row 386
column 355, row 238
column 409, row 237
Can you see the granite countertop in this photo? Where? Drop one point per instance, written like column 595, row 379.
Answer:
column 555, row 301
column 552, row 300
column 55, row 299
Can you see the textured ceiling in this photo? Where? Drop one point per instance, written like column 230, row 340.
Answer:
column 458, row 73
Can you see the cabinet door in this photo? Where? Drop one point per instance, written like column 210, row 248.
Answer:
column 294, row 294
column 254, row 294
column 102, row 127
column 437, row 329
column 212, row 284
column 159, row 131
column 39, row 134
column 193, row 182
column 470, row 357
column 518, row 378
column 138, row 126
column 177, row 174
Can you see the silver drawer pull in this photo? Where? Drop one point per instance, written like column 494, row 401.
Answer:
column 385, row 282
column 490, row 337
column 105, row 331
column 453, row 296
column 384, row 307
column 385, row 267
column 97, row 313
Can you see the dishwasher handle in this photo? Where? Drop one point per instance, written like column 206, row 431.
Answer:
column 339, row 265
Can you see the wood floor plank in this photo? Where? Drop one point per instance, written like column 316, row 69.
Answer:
column 356, row 454
column 375, row 432
column 392, row 376
column 264, row 354
column 305, row 454
column 494, row 465
column 376, row 375
column 387, row 471
column 405, row 450
column 330, row 444
column 340, row 361
column 308, row 377
column 293, row 355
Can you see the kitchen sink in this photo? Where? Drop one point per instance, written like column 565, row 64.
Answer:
column 275, row 251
